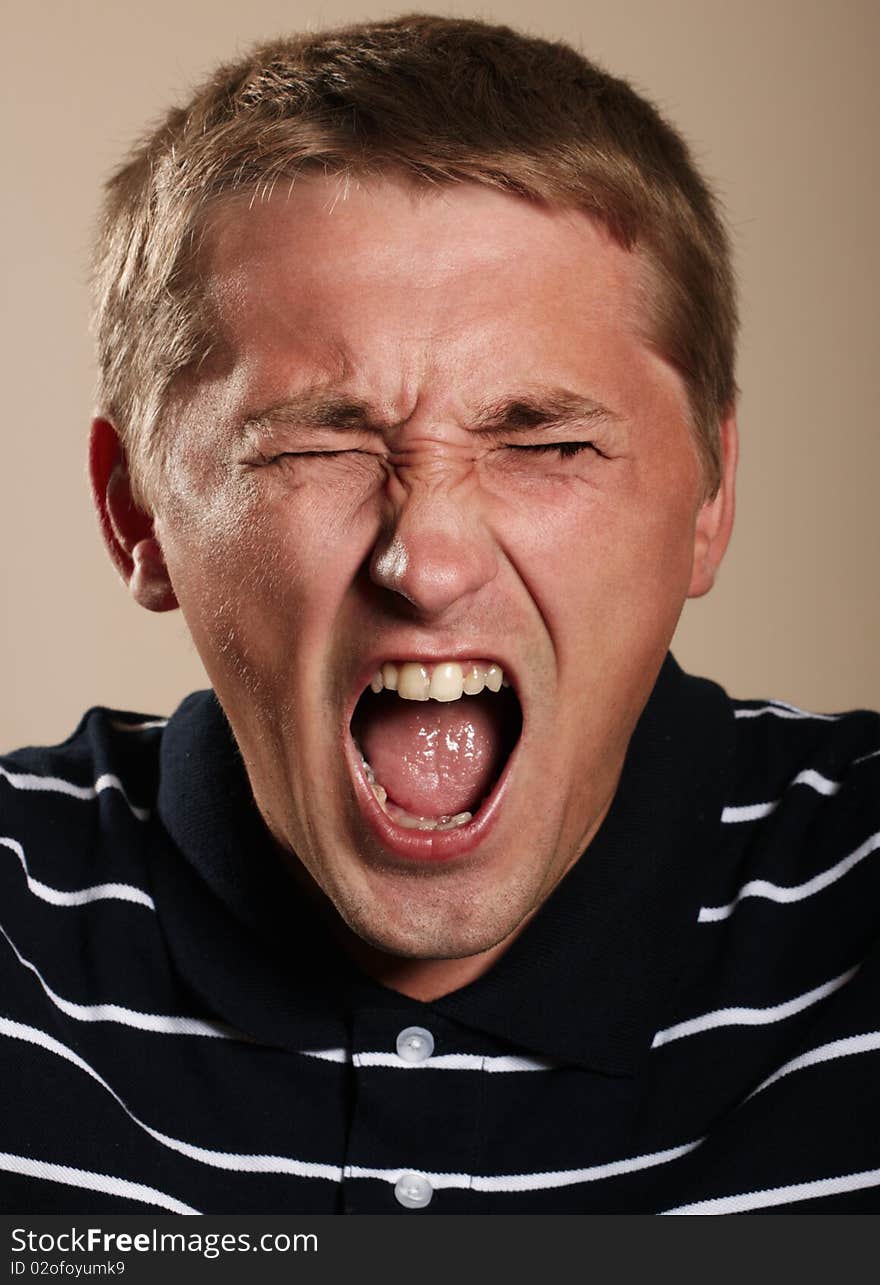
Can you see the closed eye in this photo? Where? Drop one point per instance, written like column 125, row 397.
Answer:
column 320, row 455
column 566, row 449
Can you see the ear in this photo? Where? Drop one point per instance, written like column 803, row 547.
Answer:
column 127, row 530
column 715, row 518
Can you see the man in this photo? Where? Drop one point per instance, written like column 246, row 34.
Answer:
column 455, row 895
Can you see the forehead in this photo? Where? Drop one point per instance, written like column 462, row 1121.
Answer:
column 327, row 233
column 388, row 280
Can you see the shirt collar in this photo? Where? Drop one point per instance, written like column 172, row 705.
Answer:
column 589, row 980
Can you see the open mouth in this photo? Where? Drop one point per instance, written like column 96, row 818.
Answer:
column 434, row 741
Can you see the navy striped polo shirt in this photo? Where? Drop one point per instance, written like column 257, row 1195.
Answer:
column 690, row 1024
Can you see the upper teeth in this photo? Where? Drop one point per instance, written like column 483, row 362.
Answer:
column 446, row 681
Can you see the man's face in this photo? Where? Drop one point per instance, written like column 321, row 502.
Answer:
column 367, row 471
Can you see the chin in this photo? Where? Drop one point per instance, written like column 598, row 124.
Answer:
column 415, row 918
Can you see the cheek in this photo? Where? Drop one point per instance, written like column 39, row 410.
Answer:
column 604, row 562
column 259, row 575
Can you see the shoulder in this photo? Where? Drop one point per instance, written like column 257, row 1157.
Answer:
column 801, row 822
column 782, row 745
column 796, row 773
column 83, row 805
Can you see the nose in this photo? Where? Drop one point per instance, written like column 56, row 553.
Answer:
column 435, row 550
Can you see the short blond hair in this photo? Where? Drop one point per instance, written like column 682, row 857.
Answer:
column 442, row 100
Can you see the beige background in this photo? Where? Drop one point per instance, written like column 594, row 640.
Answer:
column 778, row 97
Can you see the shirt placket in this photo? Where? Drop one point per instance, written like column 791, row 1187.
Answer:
column 417, row 1115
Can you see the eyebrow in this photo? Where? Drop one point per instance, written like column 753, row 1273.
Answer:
column 315, row 408
column 545, row 408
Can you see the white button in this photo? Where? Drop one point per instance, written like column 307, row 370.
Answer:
column 415, row 1044
column 413, row 1190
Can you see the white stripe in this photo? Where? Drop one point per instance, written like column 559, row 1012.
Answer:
column 754, row 811
column 748, row 812
column 816, row 781
column 107, row 1183
column 595, row 1173
column 766, row 1199
column 847, row 1047
column 511, row 1063
column 161, row 1023
column 55, row 784
column 530, row 1181
column 146, row 726
column 216, row 1159
column 714, row 914
column 784, row 711
column 454, row 1062
column 864, row 757
column 785, row 894
column 327, row 1055
column 742, row 1016
column 461, row 1181
column 78, row 896
column 443, row 1062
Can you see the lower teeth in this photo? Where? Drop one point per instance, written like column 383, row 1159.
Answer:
column 410, row 822
column 406, row 819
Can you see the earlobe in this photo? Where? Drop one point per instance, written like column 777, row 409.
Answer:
column 149, row 582
column 127, row 530
column 715, row 519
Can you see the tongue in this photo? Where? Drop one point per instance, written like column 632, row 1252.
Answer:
column 433, row 759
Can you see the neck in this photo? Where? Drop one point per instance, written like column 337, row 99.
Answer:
column 421, row 979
